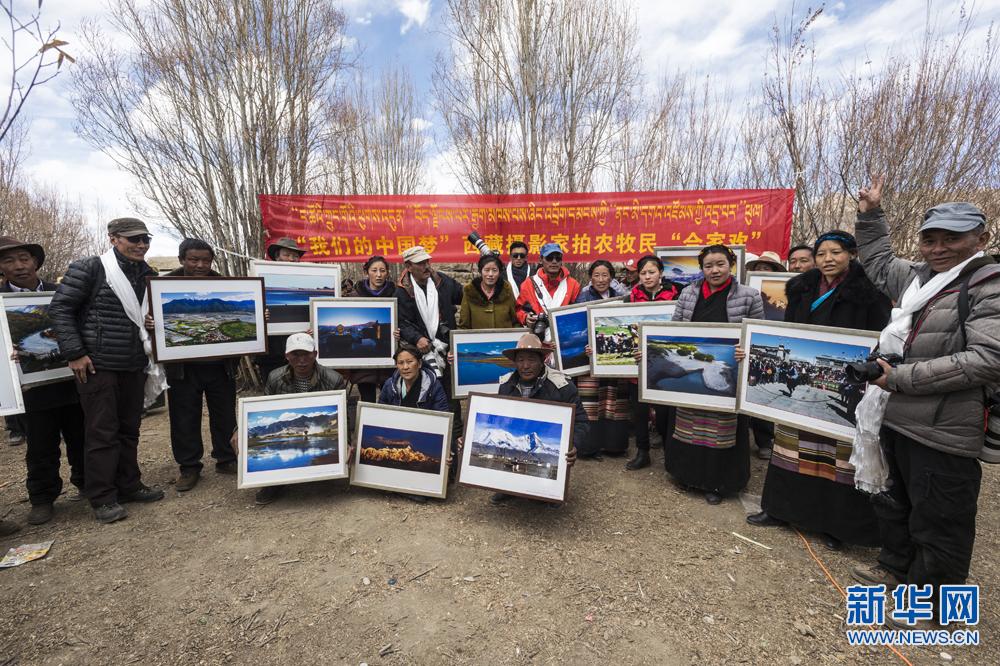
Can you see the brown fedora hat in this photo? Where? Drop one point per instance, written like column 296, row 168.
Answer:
column 527, row 342
column 287, row 243
column 8, row 243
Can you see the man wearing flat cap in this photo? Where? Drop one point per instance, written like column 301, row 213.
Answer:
column 534, row 380
column 946, row 329
column 51, row 411
column 98, row 318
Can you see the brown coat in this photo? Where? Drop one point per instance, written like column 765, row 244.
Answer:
column 478, row 312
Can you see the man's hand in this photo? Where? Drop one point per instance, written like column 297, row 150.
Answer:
column 267, row 315
column 883, row 381
column 571, row 456
column 82, row 367
column 739, row 354
column 148, row 322
column 350, row 455
column 530, row 318
column 423, row 345
column 459, row 443
column 870, row 198
column 396, row 334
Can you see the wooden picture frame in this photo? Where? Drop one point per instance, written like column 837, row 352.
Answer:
column 674, row 370
column 290, row 435
column 773, row 295
column 184, row 322
column 31, row 335
column 601, row 315
column 818, row 354
column 354, row 333
column 490, row 368
column 517, row 433
column 417, row 434
column 293, row 284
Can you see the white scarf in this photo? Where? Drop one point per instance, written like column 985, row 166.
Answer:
column 510, row 276
column 550, row 301
column 156, row 378
column 871, row 474
column 427, row 306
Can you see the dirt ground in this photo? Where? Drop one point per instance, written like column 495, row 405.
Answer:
column 630, row 571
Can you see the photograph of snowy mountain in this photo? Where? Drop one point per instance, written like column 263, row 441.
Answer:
column 294, row 437
column 519, row 445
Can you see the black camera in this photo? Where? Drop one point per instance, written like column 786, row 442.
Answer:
column 541, row 323
column 480, row 244
column 869, row 370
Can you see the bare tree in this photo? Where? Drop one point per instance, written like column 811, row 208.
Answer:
column 36, row 57
column 211, row 102
column 374, row 143
column 529, row 90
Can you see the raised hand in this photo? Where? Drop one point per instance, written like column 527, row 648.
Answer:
column 870, row 198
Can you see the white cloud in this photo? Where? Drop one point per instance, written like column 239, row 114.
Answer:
column 364, row 20
column 421, row 124
column 415, row 12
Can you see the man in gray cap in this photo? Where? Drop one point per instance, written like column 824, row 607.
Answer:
column 946, row 332
column 105, row 350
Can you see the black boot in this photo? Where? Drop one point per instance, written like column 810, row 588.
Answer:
column 641, row 460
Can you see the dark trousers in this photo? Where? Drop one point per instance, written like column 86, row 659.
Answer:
column 44, row 429
column 929, row 527
column 185, row 395
column 763, row 432
column 663, row 418
column 368, row 391
column 112, row 409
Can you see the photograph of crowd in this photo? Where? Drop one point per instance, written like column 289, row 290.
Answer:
column 614, row 333
column 797, row 375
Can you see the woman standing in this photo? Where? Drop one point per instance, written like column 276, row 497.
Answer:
column 488, row 301
column 710, row 451
column 810, row 483
column 605, row 400
column 651, row 287
column 376, row 284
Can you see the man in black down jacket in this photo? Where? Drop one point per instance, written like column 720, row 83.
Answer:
column 534, row 380
column 106, row 355
column 51, row 411
column 190, row 380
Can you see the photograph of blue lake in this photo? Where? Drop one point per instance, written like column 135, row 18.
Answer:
column 572, row 330
column 287, row 296
column 482, row 362
column 293, row 437
column 703, row 366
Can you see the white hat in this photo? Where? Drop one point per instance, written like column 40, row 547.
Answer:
column 300, row 342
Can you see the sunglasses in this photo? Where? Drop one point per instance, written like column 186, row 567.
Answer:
column 553, row 257
column 518, row 256
column 135, row 240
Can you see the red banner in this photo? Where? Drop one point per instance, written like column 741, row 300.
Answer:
column 608, row 225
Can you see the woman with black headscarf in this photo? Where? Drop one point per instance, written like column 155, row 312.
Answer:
column 810, row 483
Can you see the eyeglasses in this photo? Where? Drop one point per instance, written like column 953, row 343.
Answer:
column 553, row 257
column 135, row 240
column 518, row 256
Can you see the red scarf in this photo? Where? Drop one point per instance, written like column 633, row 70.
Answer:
column 707, row 291
column 825, row 286
column 640, row 295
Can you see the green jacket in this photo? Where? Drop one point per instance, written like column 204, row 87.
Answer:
column 478, row 312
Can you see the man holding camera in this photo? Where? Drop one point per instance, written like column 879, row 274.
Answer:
column 946, row 330
column 551, row 287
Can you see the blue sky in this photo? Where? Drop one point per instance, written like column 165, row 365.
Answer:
column 549, row 432
column 255, row 419
column 204, row 295
column 726, row 39
column 332, row 316
column 808, row 350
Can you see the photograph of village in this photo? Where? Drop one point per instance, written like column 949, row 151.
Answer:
column 205, row 318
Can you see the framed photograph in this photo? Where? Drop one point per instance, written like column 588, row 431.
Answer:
column 402, row 450
column 680, row 262
column 479, row 360
column 292, row 438
column 517, row 446
column 689, row 364
column 33, row 339
column 772, row 291
column 11, row 399
column 613, row 329
column 207, row 318
column 570, row 334
column 794, row 374
column 288, row 286
column 354, row 332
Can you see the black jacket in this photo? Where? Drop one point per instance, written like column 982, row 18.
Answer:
column 47, row 396
column 556, row 387
column 411, row 326
column 361, row 290
column 89, row 320
column 855, row 304
column 176, row 370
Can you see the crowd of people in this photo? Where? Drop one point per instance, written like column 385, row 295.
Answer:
column 933, row 422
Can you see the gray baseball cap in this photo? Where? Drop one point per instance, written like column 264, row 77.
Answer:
column 957, row 216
